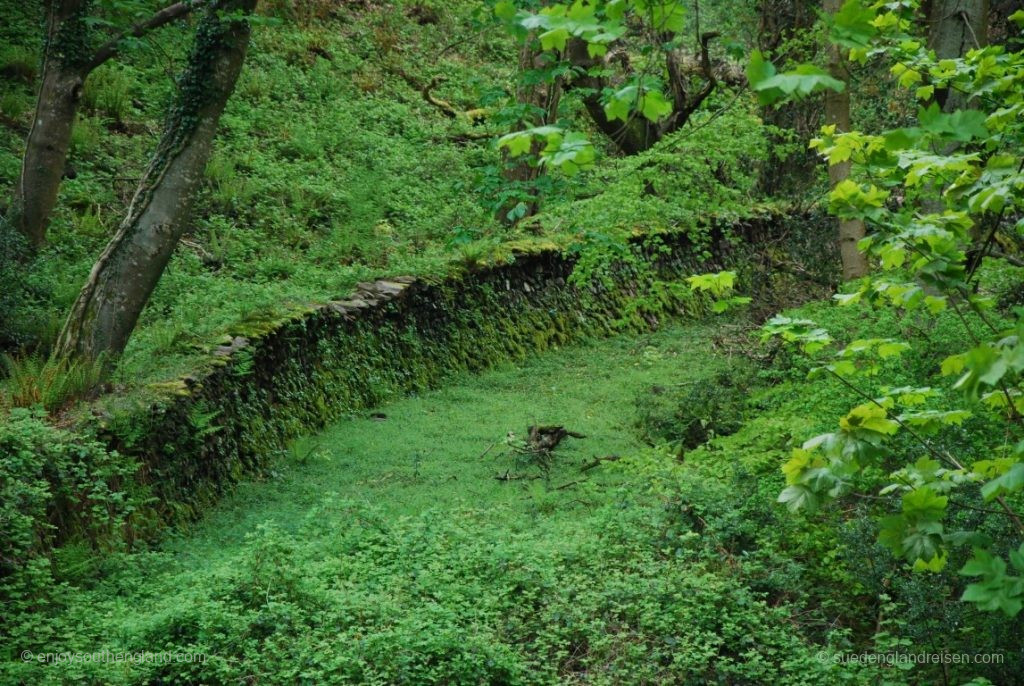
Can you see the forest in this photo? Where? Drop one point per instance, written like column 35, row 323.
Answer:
column 512, row 342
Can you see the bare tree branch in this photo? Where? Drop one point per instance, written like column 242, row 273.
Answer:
column 161, row 18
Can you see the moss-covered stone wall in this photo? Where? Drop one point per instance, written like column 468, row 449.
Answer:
column 196, row 436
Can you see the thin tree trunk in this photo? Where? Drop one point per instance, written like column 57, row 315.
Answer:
column 837, row 112
column 67, row 61
column 109, row 305
column 544, row 97
column 630, row 137
column 49, row 138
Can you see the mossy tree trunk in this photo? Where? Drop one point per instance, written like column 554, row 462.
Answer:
column 837, row 113
column 68, row 59
column 60, row 89
column 109, row 304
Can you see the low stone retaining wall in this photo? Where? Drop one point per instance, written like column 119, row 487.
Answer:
column 198, row 435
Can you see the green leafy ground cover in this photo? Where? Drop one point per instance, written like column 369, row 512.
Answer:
column 329, row 169
column 385, row 550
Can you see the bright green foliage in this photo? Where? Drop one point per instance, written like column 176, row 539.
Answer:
column 388, row 553
column 996, row 590
column 686, row 182
column 720, row 287
column 801, row 82
column 568, row 151
column 54, row 486
column 599, row 24
column 643, row 97
column 936, row 196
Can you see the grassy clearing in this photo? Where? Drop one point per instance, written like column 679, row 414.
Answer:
column 385, row 551
column 426, row 453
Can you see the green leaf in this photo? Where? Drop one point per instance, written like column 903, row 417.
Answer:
column 1010, row 482
column 799, row 497
column 868, row 417
column 924, row 503
column 554, row 39
column 569, row 153
column 654, row 106
column 892, row 349
column 505, row 10
column 668, row 15
column 615, row 10
column 954, row 364
column 852, row 25
column 518, row 143
column 798, row 83
column 996, row 590
column 620, row 103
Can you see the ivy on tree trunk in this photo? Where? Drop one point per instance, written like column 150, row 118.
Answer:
column 109, row 304
column 68, row 59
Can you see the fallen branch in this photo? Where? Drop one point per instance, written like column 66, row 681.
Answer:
column 544, row 439
column 597, row 461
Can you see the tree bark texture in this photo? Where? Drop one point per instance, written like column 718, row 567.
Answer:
column 837, row 112
column 955, row 27
column 108, row 307
column 46, row 149
column 68, row 59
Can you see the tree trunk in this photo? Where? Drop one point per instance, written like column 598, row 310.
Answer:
column 544, row 99
column 109, row 305
column 837, row 112
column 956, row 27
column 46, row 149
column 630, row 137
column 67, row 60
column 638, row 133
column 780, row 21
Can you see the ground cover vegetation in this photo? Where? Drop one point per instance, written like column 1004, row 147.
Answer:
column 824, row 460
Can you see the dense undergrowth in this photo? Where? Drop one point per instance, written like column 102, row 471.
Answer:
column 409, row 546
column 387, row 551
column 329, row 168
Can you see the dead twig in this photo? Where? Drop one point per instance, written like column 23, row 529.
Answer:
column 597, row 462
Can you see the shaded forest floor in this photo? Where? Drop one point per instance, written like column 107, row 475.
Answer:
column 387, row 551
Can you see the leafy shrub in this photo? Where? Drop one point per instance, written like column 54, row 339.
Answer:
column 682, row 182
column 688, row 415
column 54, row 486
